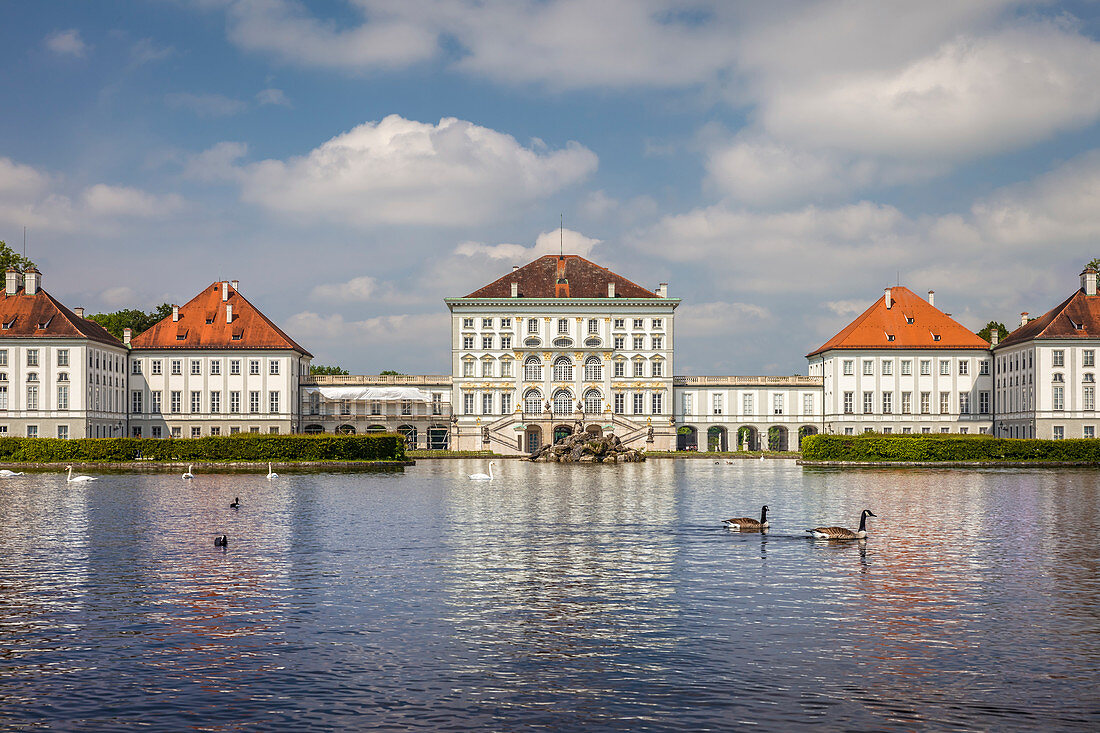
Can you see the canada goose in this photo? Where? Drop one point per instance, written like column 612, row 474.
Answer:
column 742, row 523
column 189, row 474
column 483, row 476
column 840, row 533
column 222, row 541
column 78, row 479
column 5, row 473
column 270, row 473
column 236, row 503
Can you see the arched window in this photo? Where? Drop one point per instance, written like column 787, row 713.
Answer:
column 593, row 369
column 563, row 369
column 563, row 402
column 532, row 401
column 532, row 369
column 593, row 402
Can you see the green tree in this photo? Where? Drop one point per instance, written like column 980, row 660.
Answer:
column 9, row 258
column 390, row 373
column 136, row 320
column 322, row 369
column 987, row 332
column 1095, row 264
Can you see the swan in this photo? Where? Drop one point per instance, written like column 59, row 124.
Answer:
column 270, row 473
column 189, row 474
column 236, row 503
column 840, row 533
column 761, row 457
column 222, row 541
column 78, row 479
column 483, row 476
column 4, row 473
column 743, row 523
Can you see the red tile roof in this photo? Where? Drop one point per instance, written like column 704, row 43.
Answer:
column 539, row 279
column 43, row 316
column 202, row 325
column 1076, row 317
column 874, row 329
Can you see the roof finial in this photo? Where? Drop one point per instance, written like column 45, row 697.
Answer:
column 561, row 236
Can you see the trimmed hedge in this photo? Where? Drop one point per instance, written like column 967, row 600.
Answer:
column 241, row 447
column 944, row 447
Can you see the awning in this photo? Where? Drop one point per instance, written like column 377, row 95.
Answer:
column 380, row 394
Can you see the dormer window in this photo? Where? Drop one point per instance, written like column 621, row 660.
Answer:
column 909, row 320
column 45, row 324
column 935, row 337
column 236, row 337
column 889, row 337
column 9, row 324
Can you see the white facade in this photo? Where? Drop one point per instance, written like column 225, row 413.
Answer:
column 746, row 413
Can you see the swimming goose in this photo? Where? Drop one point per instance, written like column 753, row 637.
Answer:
column 483, row 476
column 4, row 472
column 222, row 541
column 743, row 523
column 189, row 474
column 840, row 533
column 236, row 503
column 78, row 479
column 270, row 473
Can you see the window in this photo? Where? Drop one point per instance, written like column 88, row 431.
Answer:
column 983, row 367
column 234, row 430
column 506, row 368
column 658, row 368
column 887, row 368
column 563, row 370
column 32, row 431
column 849, row 408
column 658, row 342
column 620, row 368
column 156, row 367
column 964, row 367
column 907, row 430
column 1057, row 377
column 253, row 366
column 658, row 403
column 196, row 401
column 216, row 402
column 1059, row 432
column 807, row 404
column 33, row 377
column 505, row 322
column 235, row 402
column 1088, row 357
column 154, row 401
column 467, row 322
column 486, row 322
column 273, row 366
column 63, row 357
column 196, row 432
column 375, row 407
column 3, row 357
column 716, row 404
column 639, row 343
column 1089, row 431
column 1058, row 355
column 487, row 403
column 135, row 367
column 532, row 402
column 926, row 431
column 63, row 397
column 888, row 430
column 1088, row 377
column 945, row 368
column 468, row 368
column 593, row 402
column 746, row 404
column 486, row 343
column 196, row 366
column 887, row 403
column 848, row 431
column 234, row 366
column 177, row 366
column 487, row 368
column 983, row 403
column 620, row 403
column 593, row 369
column 868, row 367
column 273, row 403
column 563, row 325
column 945, row 403
column 906, row 367
column 3, row 396
column 620, row 342
column 1059, row 398
column 620, row 323
column 1088, row 398
column 175, row 432
column 639, row 368
column 925, row 367
column 532, row 325
column 254, row 401
column 32, row 357
column 593, row 326
column 964, row 403
column 925, row 403
column 687, row 403
column 135, row 401
column 849, row 367
column 639, row 403
column 177, row 399
column 506, row 342
column 563, row 402
column 906, row 403
column 777, row 404
column 532, row 369
column 505, row 403
column 868, row 403
column 638, row 323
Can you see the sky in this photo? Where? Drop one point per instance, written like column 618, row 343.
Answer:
column 354, row 162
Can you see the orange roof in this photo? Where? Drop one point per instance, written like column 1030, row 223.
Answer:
column 1076, row 317
column 42, row 316
column 910, row 322
column 584, row 279
column 202, row 324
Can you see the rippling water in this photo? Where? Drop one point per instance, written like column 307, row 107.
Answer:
column 558, row 597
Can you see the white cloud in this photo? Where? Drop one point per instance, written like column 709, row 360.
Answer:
column 566, row 240
column 273, row 96
column 718, row 318
column 205, row 105
column 66, row 43
column 147, row 51
column 390, row 340
column 358, row 289
column 847, row 307
column 218, row 163
column 399, row 171
column 102, row 200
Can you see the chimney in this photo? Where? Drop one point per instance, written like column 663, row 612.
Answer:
column 235, row 283
column 175, row 313
column 11, row 281
column 662, row 290
column 126, row 334
column 228, row 312
column 995, row 337
column 1088, row 281
column 515, row 289
column 611, row 290
column 561, row 287
column 931, row 297
column 225, row 290
column 515, row 267
column 32, row 281
column 889, row 300
column 1023, row 318
column 79, row 311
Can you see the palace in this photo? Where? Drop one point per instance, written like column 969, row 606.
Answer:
column 556, row 346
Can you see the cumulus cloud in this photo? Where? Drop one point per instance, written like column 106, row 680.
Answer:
column 390, row 340
column 206, row 105
column 66, row 43
column 717, row 318
column 564, row 240
column 358, row 289
column 217, row 163
column 273, row 96
column 125, row 201
column 399, row 171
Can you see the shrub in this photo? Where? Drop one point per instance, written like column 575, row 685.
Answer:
column 241, row 447
column 945, row 447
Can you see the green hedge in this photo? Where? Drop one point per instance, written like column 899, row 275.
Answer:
column 241, row 447
column 944, row 447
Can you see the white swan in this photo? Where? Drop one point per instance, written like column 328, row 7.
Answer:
column 5, row 473
column 483, row 476
column 189, row 474
column 270, row 473
column 78, row 479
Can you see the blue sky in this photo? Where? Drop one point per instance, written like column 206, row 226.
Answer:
column 353, row 162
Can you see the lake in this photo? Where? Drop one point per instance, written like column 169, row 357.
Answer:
column 557, row 597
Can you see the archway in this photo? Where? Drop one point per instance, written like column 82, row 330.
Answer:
column 376, row 429
column 313, row 429
column 345, row 430
column 410, row 435
column 805, row 431
column 438, row 437
column 777, row 438
column 717, row 439
column 746, row 438
column 533, row 436
column 562, row 431
column 687, row 438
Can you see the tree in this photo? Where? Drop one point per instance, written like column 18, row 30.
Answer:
column 9, row 258
column 1095, row 264
column 322, row 369
column 389, row 373
column 987, row 332
column 136, row 320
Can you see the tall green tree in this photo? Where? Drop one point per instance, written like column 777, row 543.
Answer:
column 9, row 258
column 136, row 320
column 987, row 332
column 322, row 369
column 1095, row 264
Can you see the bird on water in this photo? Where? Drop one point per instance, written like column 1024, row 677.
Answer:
column 189, row 474
column 483, row 476
column 744, row 523
column 78, row 479
column 842, row 533
column 236, row 503
column 270, row 473
column 222, row 541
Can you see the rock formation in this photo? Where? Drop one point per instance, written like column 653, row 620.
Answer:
column 587, row 448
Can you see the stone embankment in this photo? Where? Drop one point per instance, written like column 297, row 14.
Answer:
column 588, row 448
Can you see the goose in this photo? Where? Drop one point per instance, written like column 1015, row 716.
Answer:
column 743, row 523
column 840, row 533
column 222, row 541
column 483, row 476
column 236, row 503
column 189, row 474
column 78, row 479
column 729, row 463
column 270, row 473
column 5, row 473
